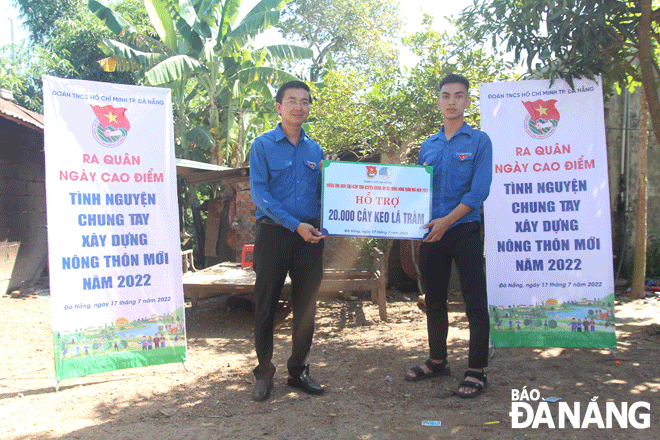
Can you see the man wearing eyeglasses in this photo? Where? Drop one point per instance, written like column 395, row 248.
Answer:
column 285, row 180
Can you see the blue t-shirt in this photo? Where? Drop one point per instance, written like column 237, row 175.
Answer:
column 285, row 180
column 462, row 171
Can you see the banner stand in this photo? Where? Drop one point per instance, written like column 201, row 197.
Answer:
column 57, row 381
column 492, row 353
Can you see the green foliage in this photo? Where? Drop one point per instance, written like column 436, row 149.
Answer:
column 23, row 77
column 389, row 111
column 441, row 54
column 359, row 34
column 75, row 38
column 219, row 81
column 64, row 43
column 568, row 39
column 495, row 313
column 40, row 16
column 350, row 114
column 368, row 246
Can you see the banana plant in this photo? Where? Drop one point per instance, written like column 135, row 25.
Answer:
column 203, row 55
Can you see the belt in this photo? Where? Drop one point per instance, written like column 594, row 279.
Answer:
column 268, row 221
column 316, row 221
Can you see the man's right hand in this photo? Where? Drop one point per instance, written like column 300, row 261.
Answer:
column 309, row 233
column 438, row 228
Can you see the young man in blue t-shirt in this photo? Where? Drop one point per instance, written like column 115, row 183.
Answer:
column 461, row 158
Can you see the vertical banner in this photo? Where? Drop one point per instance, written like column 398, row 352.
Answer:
column 113, row 227
column 547, row 219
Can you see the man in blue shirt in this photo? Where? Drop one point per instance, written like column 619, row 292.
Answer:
column 285, row 181
column 461, row 158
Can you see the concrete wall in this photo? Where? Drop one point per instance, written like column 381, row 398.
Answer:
column 622, row 119
column 23, row 236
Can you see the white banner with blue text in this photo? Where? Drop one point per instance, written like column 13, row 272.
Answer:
column 547, row 219
column 113, row 227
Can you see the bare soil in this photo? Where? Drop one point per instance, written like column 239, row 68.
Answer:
column 359, row 359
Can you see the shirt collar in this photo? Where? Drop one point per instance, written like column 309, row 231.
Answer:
column 465, row 128
column 279, row 134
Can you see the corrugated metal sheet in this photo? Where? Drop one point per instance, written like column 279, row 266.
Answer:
column 199, row 172
column 18, row 114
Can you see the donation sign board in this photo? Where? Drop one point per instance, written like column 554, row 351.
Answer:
column 113, row 227
column 375, row 200
column 547, row 219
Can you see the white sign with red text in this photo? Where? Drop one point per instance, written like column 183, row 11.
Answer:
column 375, row 200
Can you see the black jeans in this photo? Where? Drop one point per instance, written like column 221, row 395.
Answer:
column 463, row 244
column 278, row 251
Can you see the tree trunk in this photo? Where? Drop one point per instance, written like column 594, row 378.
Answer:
column 646, row 66
column 649, row 100
column 238, row 156
column 214, row 123
column 180, row 119
column 639, row 264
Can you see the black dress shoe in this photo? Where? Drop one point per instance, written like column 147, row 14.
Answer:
column 305, row 383
column 262, row 389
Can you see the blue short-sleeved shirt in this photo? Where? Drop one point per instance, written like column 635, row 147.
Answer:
column 285, row 180
column 462, row 171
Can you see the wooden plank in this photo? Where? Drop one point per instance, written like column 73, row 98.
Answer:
column 349, row 285
column 348, row 274
column 229, row 278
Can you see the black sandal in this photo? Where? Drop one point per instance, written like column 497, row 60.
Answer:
column 474, row 385
column 440, row 369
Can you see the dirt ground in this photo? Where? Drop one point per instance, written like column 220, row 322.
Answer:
column 359, row 359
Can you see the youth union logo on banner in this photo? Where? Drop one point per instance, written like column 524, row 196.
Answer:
column 110, row 127
column 542, row 119
column 371, row 171
column 385, row 173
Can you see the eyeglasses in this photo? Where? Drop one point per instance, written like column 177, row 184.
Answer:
column 294, row 103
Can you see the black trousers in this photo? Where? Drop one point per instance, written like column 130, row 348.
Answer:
column 278, row 251
column 464, row 245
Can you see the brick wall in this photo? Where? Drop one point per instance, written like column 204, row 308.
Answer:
column 243, row 227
